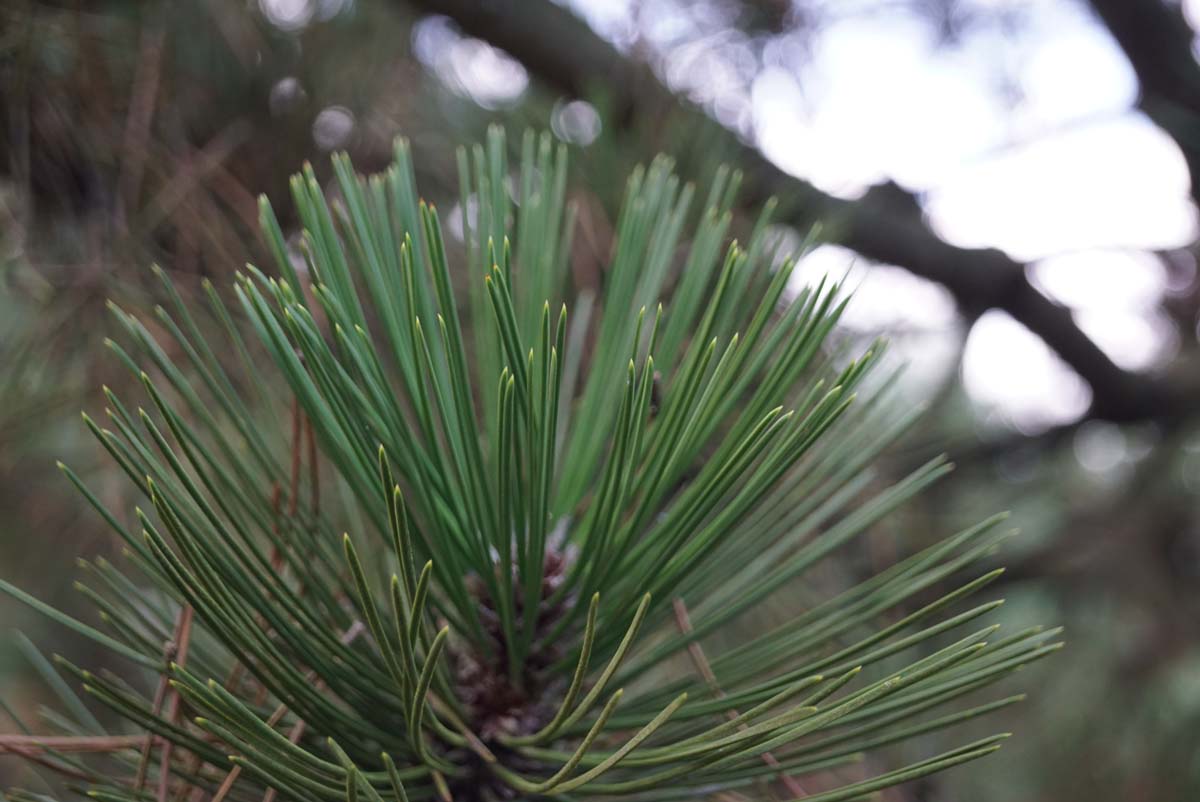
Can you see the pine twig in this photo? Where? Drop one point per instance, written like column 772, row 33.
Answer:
column 704, row 668
column 297, row 731
column 69, row 743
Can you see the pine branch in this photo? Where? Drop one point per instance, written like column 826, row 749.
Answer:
column 417, row 630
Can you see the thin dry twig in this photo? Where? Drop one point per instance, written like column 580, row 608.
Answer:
column 704, row 668
column 196, row 170
column 183, row 637
column 314, row 472
column 69, row 743
column 174, row 651
column 297, row 458
column 297, row 730
column 170, row 648
column 141, row 113
column 58, row 768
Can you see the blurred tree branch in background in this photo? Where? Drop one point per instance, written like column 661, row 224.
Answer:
column 1158, row 41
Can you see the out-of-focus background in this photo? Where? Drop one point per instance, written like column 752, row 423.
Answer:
column 1011, row 184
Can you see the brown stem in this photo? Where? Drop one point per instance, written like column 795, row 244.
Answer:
column 294, row 489
column 297, row 731
column 314, row 473
column 141, row 113
column 69, row 743
column 704, row 668
column 170, row 648
column 183, row 637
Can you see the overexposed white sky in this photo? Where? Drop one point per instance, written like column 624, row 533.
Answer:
column 1068, row 177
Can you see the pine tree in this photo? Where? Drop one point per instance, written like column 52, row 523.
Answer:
column 565, row 511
